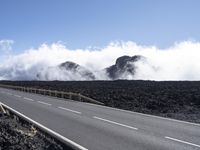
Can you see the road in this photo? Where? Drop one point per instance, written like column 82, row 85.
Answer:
column 102, row 128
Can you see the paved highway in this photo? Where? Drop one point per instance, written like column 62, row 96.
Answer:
column 101, row 128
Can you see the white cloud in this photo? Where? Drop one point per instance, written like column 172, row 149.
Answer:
column 6, row 45
column 179, row 62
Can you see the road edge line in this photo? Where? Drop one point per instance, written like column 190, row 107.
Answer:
column 55, row 134
column 122, row 110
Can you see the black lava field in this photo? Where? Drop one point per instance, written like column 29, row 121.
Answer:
column 173, row 99
column 15, row 134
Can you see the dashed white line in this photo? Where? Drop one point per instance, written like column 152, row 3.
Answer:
column 142, row 114
column 9, row 93
column 29, row 99
column 44, row 103
column 180, row 141
column 17, row 96
column 77, row 112
column 63, row 138
column 113, row 122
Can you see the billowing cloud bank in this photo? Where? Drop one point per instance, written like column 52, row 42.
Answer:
column 178, row 62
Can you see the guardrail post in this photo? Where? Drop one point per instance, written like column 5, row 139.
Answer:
column 61, row 94
column 55, row 93
column 70, row 95
column 2, row 109
column 79, row 97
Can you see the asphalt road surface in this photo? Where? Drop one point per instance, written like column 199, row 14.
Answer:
column 102, row 128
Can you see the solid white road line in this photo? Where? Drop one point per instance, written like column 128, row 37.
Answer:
column 123, row 125
column 146, row 115
column 44, row 103
column 180, row 141
column 77, row 112
column 70, row 142
column 17, row 96
column 29, row 99
column 142, row 114
column 9, row 93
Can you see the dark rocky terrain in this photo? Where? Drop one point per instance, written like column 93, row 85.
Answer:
column 77, row 68
column 18, row 135
column 123, row 67
column 174, row 99
column 66, row 71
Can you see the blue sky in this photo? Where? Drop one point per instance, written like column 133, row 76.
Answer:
column 83, row 23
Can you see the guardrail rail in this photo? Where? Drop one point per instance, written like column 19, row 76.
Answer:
column 60, row 94
column 65, row 142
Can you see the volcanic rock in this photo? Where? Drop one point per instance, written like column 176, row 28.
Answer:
column 123, row 67
column 66, row 71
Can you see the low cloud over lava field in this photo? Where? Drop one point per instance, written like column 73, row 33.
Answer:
column 57, row 62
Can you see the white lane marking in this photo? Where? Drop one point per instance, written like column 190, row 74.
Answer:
column 70, row 110
column 9, row 93
column 113, row 122
column 44, row 103
column 17, row 96
column 180, row 141
column 146, row 115
column 29, row 99
column 132, row 112
column 66, row 140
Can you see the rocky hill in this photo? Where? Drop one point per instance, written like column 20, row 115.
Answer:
column 124, row 68
column 66, row 71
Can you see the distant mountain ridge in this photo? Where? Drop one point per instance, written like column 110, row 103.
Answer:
column 68, row 70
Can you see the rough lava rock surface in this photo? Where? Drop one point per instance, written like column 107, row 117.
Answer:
column 15, row 135
column 66, row 71
column 124, row 66
column 173, row 99
column 85, row 73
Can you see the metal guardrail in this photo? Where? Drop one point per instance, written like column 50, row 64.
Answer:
column 60, row 94
column 68, row 144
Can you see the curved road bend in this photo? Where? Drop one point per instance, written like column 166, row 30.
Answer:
column 101, row 128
